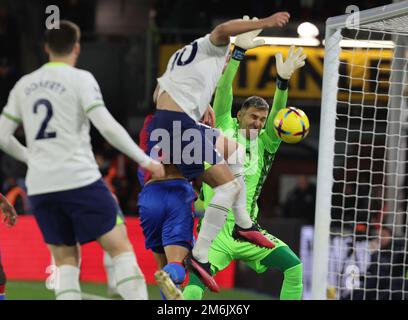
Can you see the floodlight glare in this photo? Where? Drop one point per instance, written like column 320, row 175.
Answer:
column 307, row 30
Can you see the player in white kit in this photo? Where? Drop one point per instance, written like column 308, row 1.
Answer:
column 71, row 203
column 184, row 93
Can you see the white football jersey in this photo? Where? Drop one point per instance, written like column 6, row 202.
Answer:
column 192, row 75
column 52, row 104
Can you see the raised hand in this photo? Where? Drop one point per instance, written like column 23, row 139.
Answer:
column 294, row 60
column 10, row 215
column 279, row 19
column 156, row 169
column 209, row 117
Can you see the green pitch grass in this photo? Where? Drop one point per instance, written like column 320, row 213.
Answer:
column 33, row 290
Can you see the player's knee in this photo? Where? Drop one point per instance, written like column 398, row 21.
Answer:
column 230, row 189
column 3, row 278
column 116, row 242
column 67, row 260
column 119, row 248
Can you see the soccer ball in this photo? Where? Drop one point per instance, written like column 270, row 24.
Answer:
column 291, row 125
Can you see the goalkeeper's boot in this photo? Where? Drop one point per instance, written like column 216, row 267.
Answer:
column 253, row 234
column 202, row 271
column 167, row 286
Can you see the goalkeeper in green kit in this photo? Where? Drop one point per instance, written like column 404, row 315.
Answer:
column 253, row 128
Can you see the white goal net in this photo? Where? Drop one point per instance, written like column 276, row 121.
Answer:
column 361, row 234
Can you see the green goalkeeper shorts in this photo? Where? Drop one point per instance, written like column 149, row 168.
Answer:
column 225, row 248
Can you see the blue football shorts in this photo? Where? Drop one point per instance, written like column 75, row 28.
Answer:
column 166, row 214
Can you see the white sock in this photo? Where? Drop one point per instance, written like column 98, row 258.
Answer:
column 130, row 282
column 214, row 218
column 109, row 270
column 239, row 209
column 236, row 163
column 67, row 286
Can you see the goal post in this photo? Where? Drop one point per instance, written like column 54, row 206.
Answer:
column 362, row 179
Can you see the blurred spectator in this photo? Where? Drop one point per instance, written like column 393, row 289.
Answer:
column 82, row 12
column 13, row 168
column 386, row 275
column 9, row 53
column 301, row 201
column 16, row 195
column 116, row 170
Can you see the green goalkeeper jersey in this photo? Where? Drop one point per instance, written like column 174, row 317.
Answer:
column 260, row 152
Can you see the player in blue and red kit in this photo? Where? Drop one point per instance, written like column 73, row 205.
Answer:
column 166, row 215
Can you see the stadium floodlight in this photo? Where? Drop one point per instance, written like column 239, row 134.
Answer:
column 287, row 41
column 307, row 30
column 362, row 168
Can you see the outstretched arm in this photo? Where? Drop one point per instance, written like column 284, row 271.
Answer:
column 118, row 137
column 220, row 35
column 280, row 99
column 224, row 96
column 294, row 61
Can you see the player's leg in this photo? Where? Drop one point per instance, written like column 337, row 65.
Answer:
column 195, row 288
column 3, row 281
column 153, row 207
column 58, row 232
column 220, row 256
column 168, row 274
column 130, row 281
column 234, row 153
column 110, row 274
column 108, row 264
column 280, row 257
column 228, row 190
column 160, row 257
column 285, row 260
column 66, row 258
column 173, row 273
column 177, row 235
column 167, row 287
column 94, row 214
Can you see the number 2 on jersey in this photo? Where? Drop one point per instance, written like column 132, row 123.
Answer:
column 42, row 133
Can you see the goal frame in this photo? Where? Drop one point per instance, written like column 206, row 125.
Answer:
column 325, row 176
